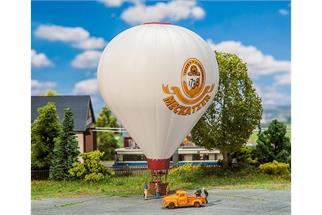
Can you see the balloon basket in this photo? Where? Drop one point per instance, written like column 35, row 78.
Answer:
column 152, row 190
column 158, row 183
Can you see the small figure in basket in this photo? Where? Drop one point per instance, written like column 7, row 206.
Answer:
column 157, row 190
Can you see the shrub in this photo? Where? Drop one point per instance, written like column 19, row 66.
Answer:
column 187, row 172
column 94, row 177
column 91, row 169
column 275, row 168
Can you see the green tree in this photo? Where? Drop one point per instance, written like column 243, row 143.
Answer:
column 44, row 130
column 107, row 142
column 273, row 144
column 234, row 113
column 66, row 149
column 50, row 93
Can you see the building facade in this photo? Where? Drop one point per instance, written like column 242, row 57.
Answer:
column 187, row 152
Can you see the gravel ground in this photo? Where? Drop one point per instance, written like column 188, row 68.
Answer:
column 223, row 202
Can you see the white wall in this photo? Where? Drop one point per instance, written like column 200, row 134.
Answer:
column 188, row 157
column 80, row 139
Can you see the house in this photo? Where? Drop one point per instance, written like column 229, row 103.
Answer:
column 187, row 152
column 84, row 118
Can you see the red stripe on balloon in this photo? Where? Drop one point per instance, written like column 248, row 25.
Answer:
column 158, row 164
column 160, row 23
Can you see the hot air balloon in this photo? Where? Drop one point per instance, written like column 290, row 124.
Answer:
column 158, row 79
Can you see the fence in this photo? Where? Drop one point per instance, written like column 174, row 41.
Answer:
column 119, row 171
column 39, row 174
column 143, row 171
column 131, row 171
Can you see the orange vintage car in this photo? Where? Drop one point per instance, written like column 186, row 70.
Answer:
column 181, row 199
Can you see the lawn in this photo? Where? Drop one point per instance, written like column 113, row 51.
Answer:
column 127, row 186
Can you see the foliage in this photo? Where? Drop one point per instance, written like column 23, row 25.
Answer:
column 94, row 177
column 234, row 113
column 246, row 155
column 44, row 130
column 50, row 93
column 66, row 149
column 107, row 142
column 275, row 168
column 187, row 172
column 91, row 169
column 273, row 144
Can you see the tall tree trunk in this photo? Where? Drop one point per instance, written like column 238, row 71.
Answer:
column 226, row 159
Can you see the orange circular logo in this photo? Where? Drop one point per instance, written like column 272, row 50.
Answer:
column 193, row 94
column 192, row 77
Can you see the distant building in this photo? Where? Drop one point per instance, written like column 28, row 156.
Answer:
column 84, row 118
column 188, row 152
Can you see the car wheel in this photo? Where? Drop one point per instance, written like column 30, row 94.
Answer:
column 196, row 204
column 171, row 205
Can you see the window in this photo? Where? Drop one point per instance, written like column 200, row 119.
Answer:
column 134, row 157
column 119, row 158
column 195, row 157
column 89, row 119
column 204, row 157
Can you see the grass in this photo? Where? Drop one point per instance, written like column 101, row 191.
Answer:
column 129, row 186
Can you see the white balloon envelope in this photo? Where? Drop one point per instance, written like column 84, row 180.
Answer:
column 158, row 79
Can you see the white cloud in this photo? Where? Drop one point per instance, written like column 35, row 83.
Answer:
column 197, row 12
column 38, row 87
column 171, row 11
column 61, row 33
column 283, row 12
column 112, row 3
column 39, row 60
column 91, row 43
column 284, row 79
column 271, row 97
column 258, row 63
column 88, row 87
column 77, row 36
column 87, row 59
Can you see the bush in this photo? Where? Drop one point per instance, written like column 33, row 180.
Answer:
column 188, row 172
column 91, row 169
column 275, row 168
column 94, row 177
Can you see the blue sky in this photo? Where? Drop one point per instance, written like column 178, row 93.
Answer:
column 68, row 37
